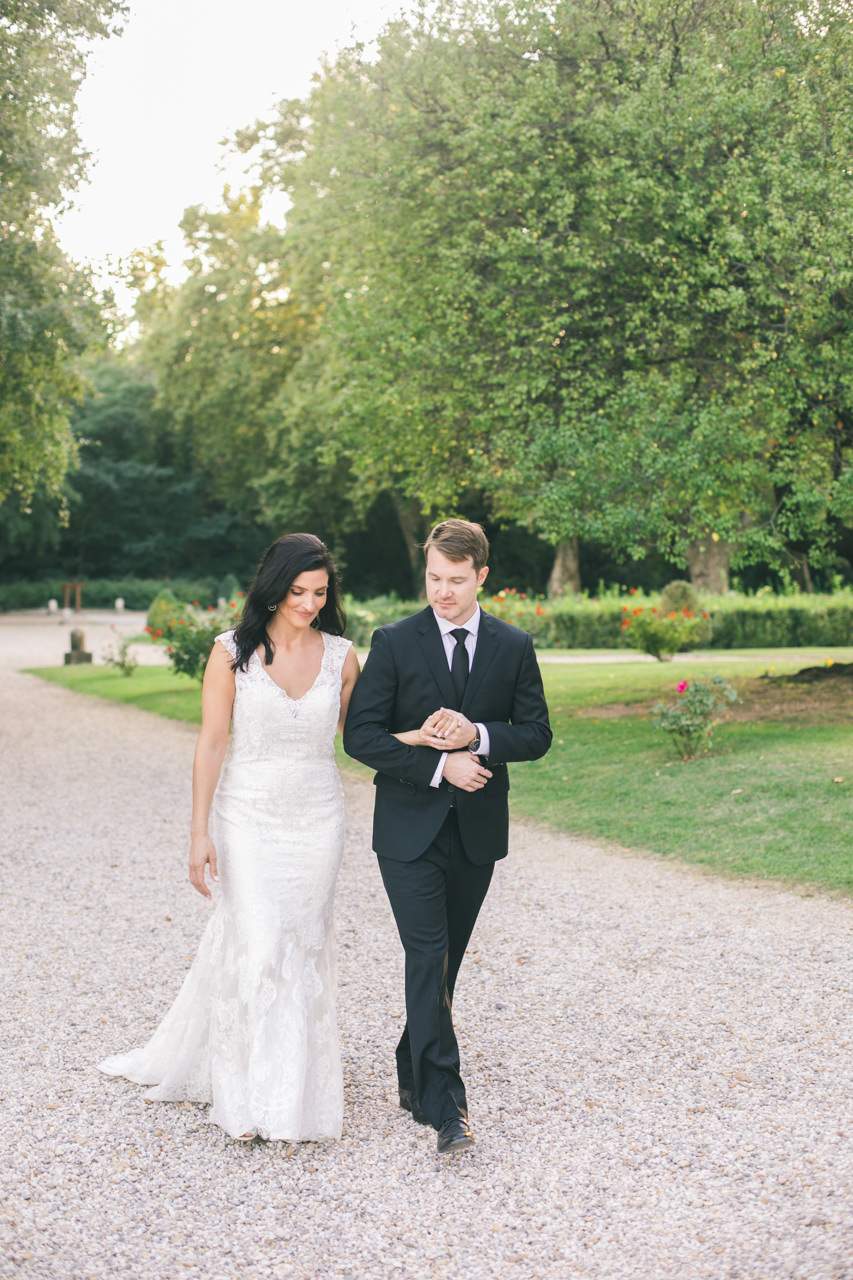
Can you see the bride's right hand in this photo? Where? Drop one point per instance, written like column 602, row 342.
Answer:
column 202, row 854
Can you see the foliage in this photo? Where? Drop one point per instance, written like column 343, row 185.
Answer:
column 593, row 261
column 49, row 312
column 102, row 593
column 738, row 621
column 229, row 588
column 661, row 634
column 137, row 504
column 165, row 606
column 189, row 637
column 690, row 719
column 221, row 343
column 117, row 654
column 678, row 595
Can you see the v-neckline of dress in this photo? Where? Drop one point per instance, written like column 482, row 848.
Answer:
column 313, row 684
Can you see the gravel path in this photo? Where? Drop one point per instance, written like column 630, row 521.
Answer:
column 658, row 1063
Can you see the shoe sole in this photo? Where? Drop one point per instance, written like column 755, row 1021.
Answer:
column 459, row 1145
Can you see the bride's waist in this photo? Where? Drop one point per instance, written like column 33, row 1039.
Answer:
column 289, row 764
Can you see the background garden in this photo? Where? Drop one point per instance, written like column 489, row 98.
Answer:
column 580, row 271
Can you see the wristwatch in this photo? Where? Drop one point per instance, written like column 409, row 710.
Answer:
column 474, row 745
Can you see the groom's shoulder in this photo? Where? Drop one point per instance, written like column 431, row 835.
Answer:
column 504, row 632
column 405, row 626
column 405, row 629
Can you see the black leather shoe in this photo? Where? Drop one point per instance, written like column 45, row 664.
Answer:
column 454, row 1135
column 409, row 1102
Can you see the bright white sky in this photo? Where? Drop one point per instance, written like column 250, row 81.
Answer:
column 159, row 99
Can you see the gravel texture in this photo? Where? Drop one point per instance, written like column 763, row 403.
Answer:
column 658, row 1062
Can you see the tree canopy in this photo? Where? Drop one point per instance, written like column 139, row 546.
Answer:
column 591, row 260
column 48, row 311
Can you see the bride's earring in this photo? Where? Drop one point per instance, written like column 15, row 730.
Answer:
column 272, row 607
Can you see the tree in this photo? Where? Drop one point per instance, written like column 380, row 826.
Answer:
column 48, row 312
column 593, row 262
column 136, row 504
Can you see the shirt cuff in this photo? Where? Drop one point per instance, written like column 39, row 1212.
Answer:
column 483, row 749
column 437, row 776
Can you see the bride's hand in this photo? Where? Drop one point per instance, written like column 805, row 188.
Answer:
column 447, row 730
column 202, row 854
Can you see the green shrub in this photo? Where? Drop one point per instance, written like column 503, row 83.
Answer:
column 229, row 588
column 102, row 593
column 689, row 721
column 163, row 607
column 189, row 637
column 662, row 634
column 117, row 654
column 734, row 622
column 678, row 595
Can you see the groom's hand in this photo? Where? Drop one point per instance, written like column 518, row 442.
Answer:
column 463, row 770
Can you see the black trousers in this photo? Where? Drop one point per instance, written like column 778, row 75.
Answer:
column 435, row 900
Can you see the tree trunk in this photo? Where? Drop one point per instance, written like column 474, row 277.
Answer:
column 708, row 561
column 566, row 574
column 803, row 575
column 413, row 528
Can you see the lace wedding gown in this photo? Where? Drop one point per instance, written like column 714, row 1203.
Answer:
column 253, row 1030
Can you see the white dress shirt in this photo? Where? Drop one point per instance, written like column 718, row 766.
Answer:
column 472, row 626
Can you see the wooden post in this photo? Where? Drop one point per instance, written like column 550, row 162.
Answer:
column 77, row 587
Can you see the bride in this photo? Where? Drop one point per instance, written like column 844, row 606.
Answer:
column 253, row 1030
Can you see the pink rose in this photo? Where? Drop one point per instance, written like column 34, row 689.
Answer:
column 682, row 686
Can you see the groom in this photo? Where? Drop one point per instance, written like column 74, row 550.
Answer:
column 441, row 818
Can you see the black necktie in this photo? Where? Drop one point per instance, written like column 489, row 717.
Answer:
column 459, row 665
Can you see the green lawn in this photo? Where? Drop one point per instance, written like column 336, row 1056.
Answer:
column 156, row 689
column 763, row 804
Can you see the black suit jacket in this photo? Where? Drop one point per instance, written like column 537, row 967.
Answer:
column 406, row 678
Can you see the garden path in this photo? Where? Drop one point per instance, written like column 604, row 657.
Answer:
column 659, row 1063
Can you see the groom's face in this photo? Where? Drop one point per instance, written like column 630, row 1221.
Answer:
column 451, row 586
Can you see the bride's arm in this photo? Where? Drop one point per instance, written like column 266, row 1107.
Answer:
column 434, row 732
column 349, row 675
column 217, row 700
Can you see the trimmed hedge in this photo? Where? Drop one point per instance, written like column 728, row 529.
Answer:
column 102, row 593
column 739, row 622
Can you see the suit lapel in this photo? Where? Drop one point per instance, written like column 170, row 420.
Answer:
column 487, row 647
column 432, row 646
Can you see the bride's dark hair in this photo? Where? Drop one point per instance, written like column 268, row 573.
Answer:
column 282, row 564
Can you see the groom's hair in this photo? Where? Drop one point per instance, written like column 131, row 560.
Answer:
column 459, row 540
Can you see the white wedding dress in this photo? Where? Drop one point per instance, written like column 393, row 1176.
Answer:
column 253, row 1030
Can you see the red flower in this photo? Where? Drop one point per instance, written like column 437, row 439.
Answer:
column 626, row 622
column 239, row 595
column 682, row 686
column 540, row 611
column 195, row 604
column 149, row 629
column 635, row 612
column 169, row 649
column 157, row 635
column 624, row 608
column 633, row 591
